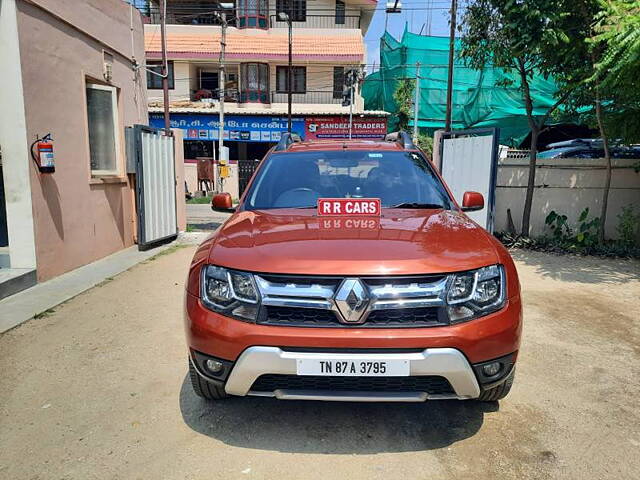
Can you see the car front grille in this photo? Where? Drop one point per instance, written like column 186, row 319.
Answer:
column 433, row 385
column 314, row 317
column 385, row 302
column 299, row 317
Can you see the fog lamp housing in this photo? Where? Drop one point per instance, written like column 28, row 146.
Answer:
column 491, row 369
column 214, row 366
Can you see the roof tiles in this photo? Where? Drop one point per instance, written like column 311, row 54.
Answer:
column 260, row 44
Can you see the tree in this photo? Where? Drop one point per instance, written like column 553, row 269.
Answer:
column 598, row 73
column 403, row 97
column 521, row 37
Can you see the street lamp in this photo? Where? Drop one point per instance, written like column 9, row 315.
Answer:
column 283, row 17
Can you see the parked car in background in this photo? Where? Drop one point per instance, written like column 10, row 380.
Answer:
column 588, row 148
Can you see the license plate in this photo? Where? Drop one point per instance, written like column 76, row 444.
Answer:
column 353, row 367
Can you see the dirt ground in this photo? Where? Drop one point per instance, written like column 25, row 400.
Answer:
column 98, row 389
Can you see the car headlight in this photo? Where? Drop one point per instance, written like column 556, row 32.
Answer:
column 229, row 292
column 476, row 293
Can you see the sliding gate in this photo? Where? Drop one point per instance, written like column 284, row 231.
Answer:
column 469, row 162
column 155, row 185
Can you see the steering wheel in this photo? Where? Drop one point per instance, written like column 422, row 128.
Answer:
column 289, row 197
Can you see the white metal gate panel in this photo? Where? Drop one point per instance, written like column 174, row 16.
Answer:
column 469, row 164
column 156, row 185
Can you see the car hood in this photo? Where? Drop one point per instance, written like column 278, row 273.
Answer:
column 400, row 242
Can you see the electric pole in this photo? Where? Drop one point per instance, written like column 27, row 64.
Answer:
column 416, row 104
column 452, row 36
column 351, row 108
column 165, row 71
column 222, row 86
column 290, row 72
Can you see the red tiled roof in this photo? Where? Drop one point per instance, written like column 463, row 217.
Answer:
column 259, row 44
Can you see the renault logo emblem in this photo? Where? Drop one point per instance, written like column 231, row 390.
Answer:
column 352, row 300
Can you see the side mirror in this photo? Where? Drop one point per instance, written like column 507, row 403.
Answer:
column 472, row 201
column 222, row 203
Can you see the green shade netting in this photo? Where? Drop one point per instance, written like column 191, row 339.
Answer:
column 479, row 100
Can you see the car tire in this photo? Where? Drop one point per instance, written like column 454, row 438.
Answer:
column 500, row 391
column 203, row 388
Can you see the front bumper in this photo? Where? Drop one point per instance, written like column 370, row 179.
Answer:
column 443, row 363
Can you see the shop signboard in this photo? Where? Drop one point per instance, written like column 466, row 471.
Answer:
column 328, row 127
column 238, row 128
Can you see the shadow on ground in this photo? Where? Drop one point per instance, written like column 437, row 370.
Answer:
column 572, row 268
column 206, row 226
column 330, row 427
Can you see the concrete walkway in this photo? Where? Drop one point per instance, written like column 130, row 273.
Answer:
column 44, row 296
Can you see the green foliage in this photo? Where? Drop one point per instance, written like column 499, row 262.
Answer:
column 550, row 245
column 199, row 200
column 600, row 65
column 403, row 97
column 425, row 142
column 558, row 225
column 628, row 227
column 586, row 235
column 618, row 32
column 513, row 34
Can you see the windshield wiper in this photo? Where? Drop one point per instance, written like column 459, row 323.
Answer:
column 417, row 205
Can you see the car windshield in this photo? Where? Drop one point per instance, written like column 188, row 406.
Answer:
column 299, row 179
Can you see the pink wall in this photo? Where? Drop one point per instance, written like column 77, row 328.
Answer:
column 78, row 219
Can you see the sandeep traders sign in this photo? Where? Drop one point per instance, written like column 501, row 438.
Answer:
column 328, row 127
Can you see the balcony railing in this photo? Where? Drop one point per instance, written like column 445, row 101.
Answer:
column 204, row 94
column 188, row 15
column 310, row 96
column 319, row 21
column 197, row 13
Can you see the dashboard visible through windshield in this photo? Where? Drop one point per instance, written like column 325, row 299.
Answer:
column 299, row 179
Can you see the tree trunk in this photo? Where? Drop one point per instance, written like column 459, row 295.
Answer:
column 528, row 202
column 607, row 157
column 533, row 153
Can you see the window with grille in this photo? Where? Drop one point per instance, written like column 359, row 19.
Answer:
column 298, row 77
column 338, row 82
column 252, row 13
column 340, row 12
column 296, row 9
column 254, row 82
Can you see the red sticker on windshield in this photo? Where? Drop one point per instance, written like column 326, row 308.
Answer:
column 349, row 206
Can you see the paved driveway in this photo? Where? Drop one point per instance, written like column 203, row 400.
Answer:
column 98, row 389
column 201, row 217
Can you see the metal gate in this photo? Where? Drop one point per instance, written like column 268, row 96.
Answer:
column 245, row 172
column 469, row 162
column 155, row 186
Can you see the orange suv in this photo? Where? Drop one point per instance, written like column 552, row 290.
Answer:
column 389, row 292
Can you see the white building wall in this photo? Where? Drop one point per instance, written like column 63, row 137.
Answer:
column 566, row 185
column 14, row 144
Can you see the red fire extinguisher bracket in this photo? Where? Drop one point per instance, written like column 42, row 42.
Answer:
column 43, row 155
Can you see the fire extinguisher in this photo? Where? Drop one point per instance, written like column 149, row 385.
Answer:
column 43, row 154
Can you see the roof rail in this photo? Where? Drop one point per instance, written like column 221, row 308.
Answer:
column 287, row 139
column 401, row 138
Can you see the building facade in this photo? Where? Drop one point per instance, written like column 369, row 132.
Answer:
column 69, row 70
column 327, row 43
